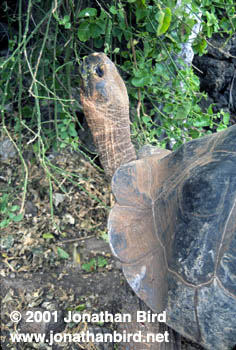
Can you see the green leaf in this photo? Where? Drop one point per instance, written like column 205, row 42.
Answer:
column 142, row 3
column 62, row 253
column 17, row 218
column 66, row 19
column 63, row 145
column 96, row 30
column 68, row 25
column 102, row 261
column 141, row 13
column 164, row 19
column 140, row 82
column 4, row 223
column 194, row 133
column 210, row 110
column 202, row 121
column 11, row 215
column 146, row 120
column 160, row 18
column 72, row 131
column 183, row 110
column 90, row 266
column 48, row 236
column 221, row 127
column 80, row 307
column 14, row 208
column 84, row 31
column 88, row 12
column 113, row 10
column 104, row 236
column 226, row 118
column 201, row 46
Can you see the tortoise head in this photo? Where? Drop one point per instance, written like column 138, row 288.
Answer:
column 101, row 82
column 106, row 107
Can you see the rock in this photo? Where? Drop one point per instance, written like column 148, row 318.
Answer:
column 7, row 149
column 30, row 208
column 221, row 48
column 58, row 198
column 48, row 324
column 217, row 74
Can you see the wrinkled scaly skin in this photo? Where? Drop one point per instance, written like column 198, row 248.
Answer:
column 106, row 107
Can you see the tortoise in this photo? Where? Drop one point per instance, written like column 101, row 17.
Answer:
column 173, row 226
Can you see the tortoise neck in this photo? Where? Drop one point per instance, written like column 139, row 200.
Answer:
column 111, row 134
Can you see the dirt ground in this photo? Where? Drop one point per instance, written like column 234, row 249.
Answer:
column 61, row 264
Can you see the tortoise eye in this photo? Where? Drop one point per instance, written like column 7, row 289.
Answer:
column 99, row 71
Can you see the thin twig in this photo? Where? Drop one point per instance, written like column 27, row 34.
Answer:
column 75, row 240
column 231, row 91
column 25, row 168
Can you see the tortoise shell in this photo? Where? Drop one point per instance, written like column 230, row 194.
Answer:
column 174, row 230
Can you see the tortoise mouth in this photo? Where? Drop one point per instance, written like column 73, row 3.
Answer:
column 84, row 72
column 84, row 67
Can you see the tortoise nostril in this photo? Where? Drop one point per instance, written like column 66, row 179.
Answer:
column 99, row 71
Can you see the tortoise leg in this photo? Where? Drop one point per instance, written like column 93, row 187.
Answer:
column 134, row 327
